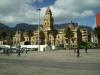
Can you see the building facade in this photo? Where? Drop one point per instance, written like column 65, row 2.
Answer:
column 17, row 38
column 94, row 40
column 85, row 35
column 47, row 28
column 53, row 36
column 21, row 38
column 98, row 19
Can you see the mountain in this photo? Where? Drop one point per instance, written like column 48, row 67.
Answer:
column 30, row 27
column 62, row 26
column 24, row 26
column 87, row 27
column 4, row 27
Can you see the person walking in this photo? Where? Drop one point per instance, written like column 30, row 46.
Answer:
column 19, row 51
column 78, row 52
column 74, row 50
column 86, row 49
column 26, row 50
column 7, row 51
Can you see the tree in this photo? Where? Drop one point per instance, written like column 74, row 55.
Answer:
column 30, row 33
column 4, row 35
column 42, row 37
column 54, row 33
column 97, row 32
column 10, row 39
column 22, row 37
column 79, row 39
column 0, row 37
column 48, row 42
column 68, row 35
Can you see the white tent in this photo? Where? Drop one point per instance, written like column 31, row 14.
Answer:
column 4, row 46
column 42, row 47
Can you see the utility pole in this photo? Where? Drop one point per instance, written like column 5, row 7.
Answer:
column 39, row 29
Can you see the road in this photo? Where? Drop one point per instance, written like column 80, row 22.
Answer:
column 51, row 63
column 62, row 65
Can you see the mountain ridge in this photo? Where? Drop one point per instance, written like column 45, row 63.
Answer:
column 34, row 27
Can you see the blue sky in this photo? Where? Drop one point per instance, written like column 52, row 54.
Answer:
column 44, row 3
column 13, row 12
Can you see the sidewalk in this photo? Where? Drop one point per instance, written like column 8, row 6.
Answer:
column 92, row 56
column 51, row 63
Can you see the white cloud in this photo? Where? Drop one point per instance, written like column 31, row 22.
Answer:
column 94, row 24
column 16, row 11
column 9, row 6
column 69, row 9
column 87, row 13
column 13, row 11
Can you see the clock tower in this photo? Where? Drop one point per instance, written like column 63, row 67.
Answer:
column 48, row 20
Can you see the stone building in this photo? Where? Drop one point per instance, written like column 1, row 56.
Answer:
column 17, row 38
column 94, row 40
column 53, row 36
column 47, row 28
column 85, row 35
column 26, row 37
column 20, row 38
column 74, row 40
column 1, row 42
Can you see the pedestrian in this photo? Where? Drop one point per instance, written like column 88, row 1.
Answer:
column 18, row 52
column 7, row 51
column 85, row 49
column 74, row 50
column 78, row 52
column 26, row 50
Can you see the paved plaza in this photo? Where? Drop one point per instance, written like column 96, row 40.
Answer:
column 59, row 62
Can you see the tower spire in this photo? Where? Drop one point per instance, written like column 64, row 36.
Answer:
column 48, row 20
column 48, row 11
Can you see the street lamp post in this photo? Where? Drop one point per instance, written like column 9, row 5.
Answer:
column 39, row 29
